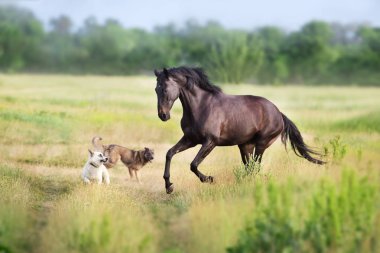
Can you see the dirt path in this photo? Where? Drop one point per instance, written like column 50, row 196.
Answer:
column 50, row 184
column 48, row 190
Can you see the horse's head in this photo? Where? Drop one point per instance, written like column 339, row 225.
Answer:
column 167, row 91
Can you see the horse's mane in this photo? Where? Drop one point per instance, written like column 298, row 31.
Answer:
column 195, row 76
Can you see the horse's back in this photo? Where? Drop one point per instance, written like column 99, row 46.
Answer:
column 253, row 105
column 238, row 119
column 269, row 113
column 270, row 119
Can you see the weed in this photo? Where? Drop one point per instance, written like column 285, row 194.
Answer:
column 337, row 218
column 247, row 171
column 336, row 149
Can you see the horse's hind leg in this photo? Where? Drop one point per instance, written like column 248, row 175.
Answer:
column 202, row 153
column 261, row 145
column 246, row 152
column 259, row 151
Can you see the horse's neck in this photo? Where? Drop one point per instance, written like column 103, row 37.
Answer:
column 194, row 101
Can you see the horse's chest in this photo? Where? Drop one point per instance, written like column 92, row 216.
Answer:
column 191, row 131
column 196, row 131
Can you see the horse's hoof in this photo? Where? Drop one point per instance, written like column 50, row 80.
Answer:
column 208, row 179
column 169, row 189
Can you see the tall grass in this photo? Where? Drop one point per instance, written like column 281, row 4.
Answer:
column 335, row 149
column 369, row 122
column 46, row 126
column 247, row 171
column 214, row 225
column 15, row 211
column 98, row 219
column 334, row 217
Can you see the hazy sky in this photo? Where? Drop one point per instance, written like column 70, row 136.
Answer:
column 290, row 14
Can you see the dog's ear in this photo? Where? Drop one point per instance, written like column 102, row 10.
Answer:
column 91, row 153
column 157, row 73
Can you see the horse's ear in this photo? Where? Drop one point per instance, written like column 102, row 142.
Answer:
column 166, row 72
column 156, row 72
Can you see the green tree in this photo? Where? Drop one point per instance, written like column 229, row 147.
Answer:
column 274, row 69
column 59, row 47
column 229, row 55
column 309, row 52
column 104, row 45
column 371, row 47
column 20, row 38
column 162, row 48
column 318, row 53
column 235, row 57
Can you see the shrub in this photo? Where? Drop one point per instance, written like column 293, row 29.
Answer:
column 337, row 218
column 247, row 171
column 336, row 149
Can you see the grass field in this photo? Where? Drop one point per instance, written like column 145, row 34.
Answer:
column 291, row 205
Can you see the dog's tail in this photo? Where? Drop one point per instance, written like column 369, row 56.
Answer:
column 96, row 143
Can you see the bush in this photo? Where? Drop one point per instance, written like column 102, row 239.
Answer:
column 337, row 218
column 336, row 149
column 247, row 171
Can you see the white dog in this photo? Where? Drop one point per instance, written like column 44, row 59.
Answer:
column 94, row 170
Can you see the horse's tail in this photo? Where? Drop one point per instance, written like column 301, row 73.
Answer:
column 96, row 143
column 299, row 147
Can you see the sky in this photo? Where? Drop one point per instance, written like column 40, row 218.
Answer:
column 245, row 14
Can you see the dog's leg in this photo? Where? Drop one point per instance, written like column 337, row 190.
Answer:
column 130, row 173
column 137, row 176
column 106, row 176
column 86, row 180
column 99, row 178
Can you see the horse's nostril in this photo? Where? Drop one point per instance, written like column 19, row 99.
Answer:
column 164, row 115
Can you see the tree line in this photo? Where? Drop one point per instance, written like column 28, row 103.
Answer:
column 318, row 53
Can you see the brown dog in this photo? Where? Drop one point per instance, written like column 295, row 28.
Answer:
column 133, row 160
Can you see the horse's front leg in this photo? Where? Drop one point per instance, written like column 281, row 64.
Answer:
column 183, row 144
column 202, row 153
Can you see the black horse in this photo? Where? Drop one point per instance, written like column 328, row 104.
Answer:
column 212, row 118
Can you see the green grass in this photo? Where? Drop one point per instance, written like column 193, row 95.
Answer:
column 333, row 217
column 368, row 123
column 285, row 205
column 16, row 200
column 247, row 171
column 56, row 123
column 96, row 219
